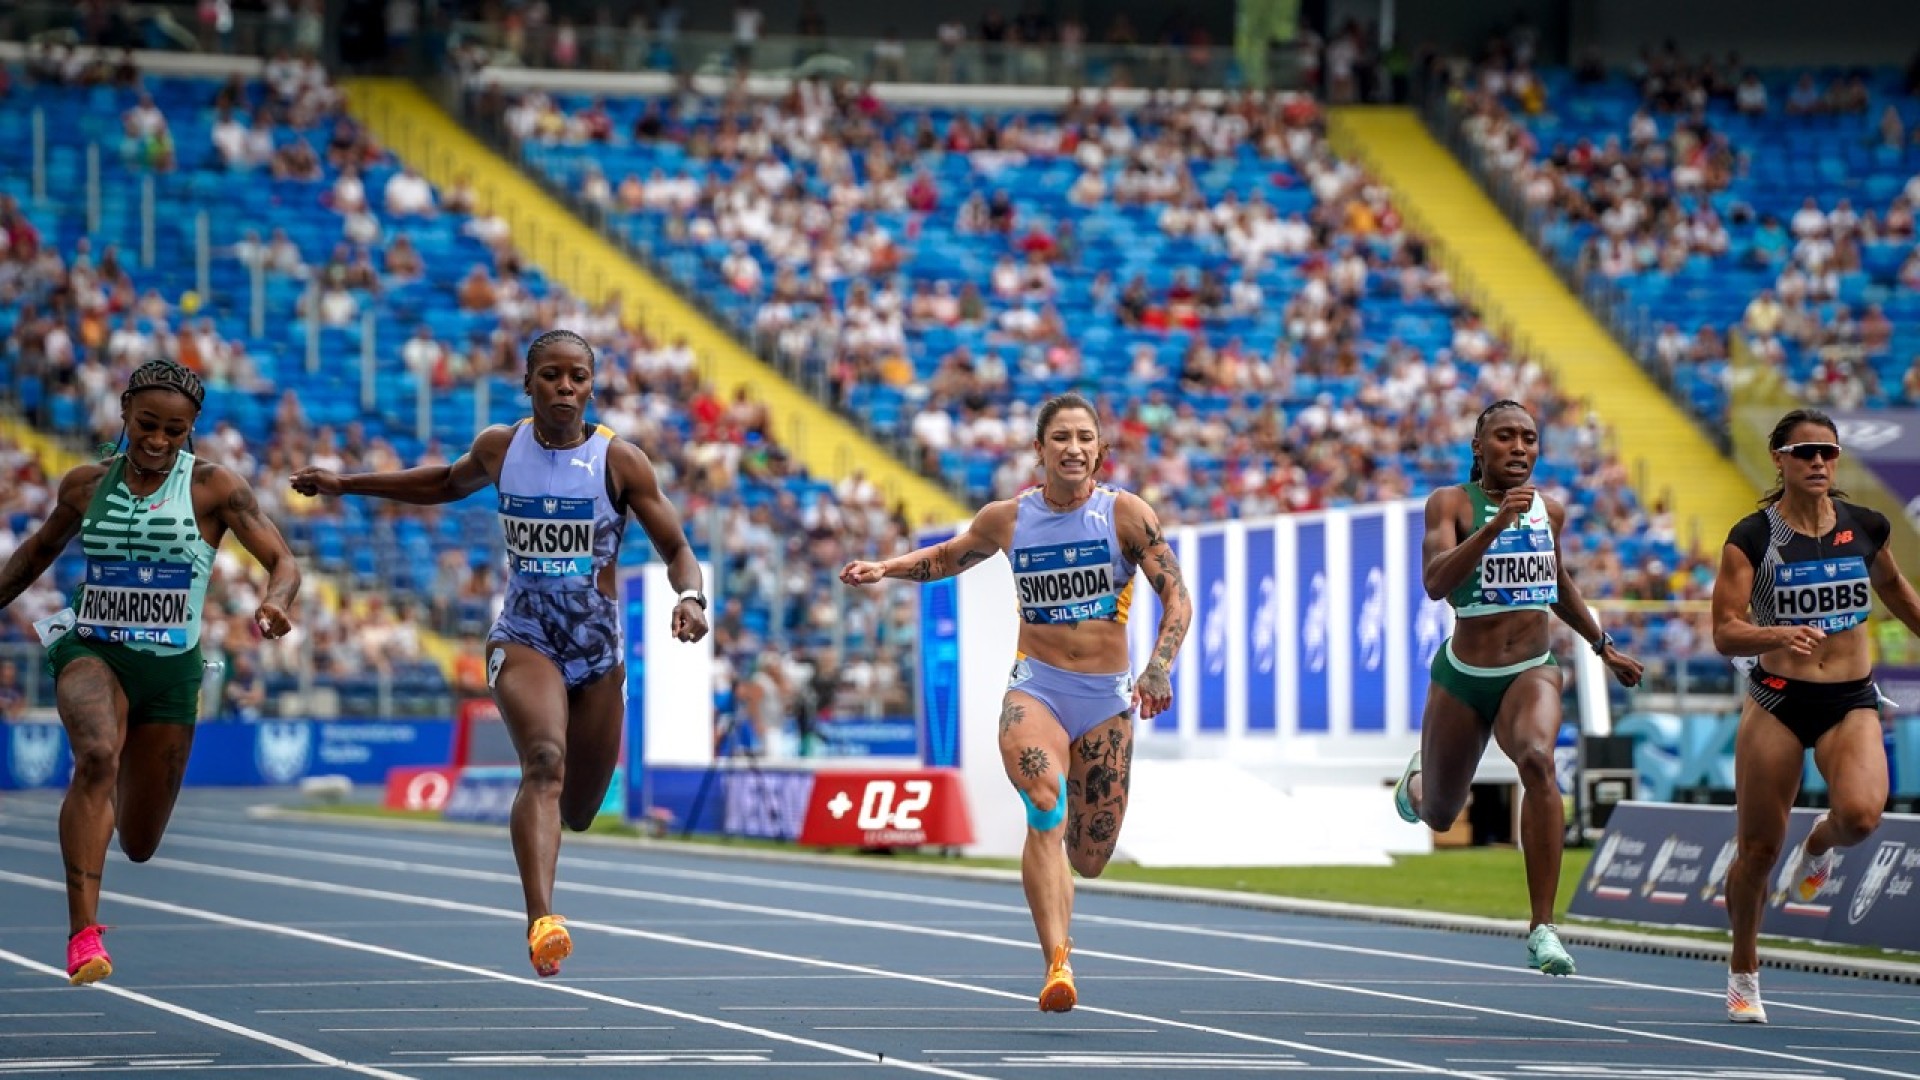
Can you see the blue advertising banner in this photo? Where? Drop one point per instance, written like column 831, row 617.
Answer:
column 1428, row 621
column 1210, row 599
column 633, row 610
column 252, row 755
column 1666, row 863
column 1263, row 630
column 1310, row 586
column 1367, row 597
column 940, row 671
column 485, row 795
column 876, row 736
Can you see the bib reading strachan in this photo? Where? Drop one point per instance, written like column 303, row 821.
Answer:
column 548, row 536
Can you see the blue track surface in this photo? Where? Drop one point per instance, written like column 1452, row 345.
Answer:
column 256, row 947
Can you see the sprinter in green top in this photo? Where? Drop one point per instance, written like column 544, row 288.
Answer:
column 126, row 655
column 1492, row 550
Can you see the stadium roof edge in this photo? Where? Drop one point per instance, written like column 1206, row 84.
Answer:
column 163, row 63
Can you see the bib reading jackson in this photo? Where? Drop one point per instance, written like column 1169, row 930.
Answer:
column 548, row 536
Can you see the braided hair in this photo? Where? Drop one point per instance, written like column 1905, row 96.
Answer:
column 1480, row 425
column 160, row 374
column 557, row 337
column 166, row 375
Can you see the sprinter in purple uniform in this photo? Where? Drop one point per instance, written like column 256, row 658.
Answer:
column 556, row 657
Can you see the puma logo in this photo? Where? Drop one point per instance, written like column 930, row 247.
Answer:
column 1097, row 515
column 585, row 463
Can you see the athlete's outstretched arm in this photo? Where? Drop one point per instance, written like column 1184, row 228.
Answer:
column 1733, row 633
column 427, row 485
column 1145, row 544
column 640, row 489
column 1572, row 609
column 1896, row 591
column 44, row 544
column 989, row 534
column 240, row 512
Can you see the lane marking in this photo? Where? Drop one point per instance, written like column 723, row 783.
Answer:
column 198, row 1017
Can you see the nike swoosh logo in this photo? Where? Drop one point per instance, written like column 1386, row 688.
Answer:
column 156, row 504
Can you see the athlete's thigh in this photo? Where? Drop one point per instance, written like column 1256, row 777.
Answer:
column 153, row 763
column 596, row 717
column 1852, row 756
column 1033, row 745
column 1529, row 714
column 1099, row 782
column 531, row 695
column 1767, row 763
column 1452, row 738
column 92, row 707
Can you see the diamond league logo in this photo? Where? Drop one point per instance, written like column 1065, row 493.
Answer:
column 33, row 753
column 282, row 750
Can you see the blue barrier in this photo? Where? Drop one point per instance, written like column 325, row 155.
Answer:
column 251, row 755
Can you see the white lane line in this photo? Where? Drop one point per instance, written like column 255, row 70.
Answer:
column 998, row 1028
column 846, row 921
column 337, row 889
column 1452, row 1018
column 444, row 965
column 195, row 1015
column 383, row 842
column 49, row 1016
column 68, row 1034
column 438, row 1009
column 944, row 1009
column 438, row 1028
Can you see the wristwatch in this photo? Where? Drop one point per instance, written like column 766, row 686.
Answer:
column 1599, row 647
column 696, row 596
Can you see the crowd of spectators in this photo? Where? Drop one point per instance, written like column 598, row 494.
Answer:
column 822, row 198
column 84, row 318
column 1660, row 198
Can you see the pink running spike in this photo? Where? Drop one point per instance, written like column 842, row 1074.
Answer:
column 87, row 960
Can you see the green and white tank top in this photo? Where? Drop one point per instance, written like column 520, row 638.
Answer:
column 147, row 564
column 1519, row 572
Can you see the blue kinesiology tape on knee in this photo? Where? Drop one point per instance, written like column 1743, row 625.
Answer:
column 1042, row 820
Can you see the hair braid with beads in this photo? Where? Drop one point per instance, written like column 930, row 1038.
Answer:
column 159, row 375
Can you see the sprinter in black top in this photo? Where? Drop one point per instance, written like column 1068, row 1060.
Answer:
column 1796, row 585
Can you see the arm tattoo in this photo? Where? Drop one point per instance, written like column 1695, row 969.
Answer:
column 921, row 571
column 970, row 557
column 242, row 507
column 1033, row 762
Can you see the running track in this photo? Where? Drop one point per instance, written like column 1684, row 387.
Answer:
column 264, row 947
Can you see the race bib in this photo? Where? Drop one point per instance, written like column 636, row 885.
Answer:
column 143, row 603
column 1065, row 583
column 548, row 536
column 1520, row 569
column 1832, row 594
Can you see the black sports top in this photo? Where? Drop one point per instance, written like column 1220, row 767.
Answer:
column 1799, row 580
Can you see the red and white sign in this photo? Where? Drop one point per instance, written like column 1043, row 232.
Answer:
column 420, row 788
column 905, row 808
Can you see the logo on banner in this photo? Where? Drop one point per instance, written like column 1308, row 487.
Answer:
column 1865, row 436
column 1214, row 639
column 1265, row 616
column 1313, row 628
column 1602, row 859
column 1431, row 627
column 1659, row 865
column 1370, row 628
column 1717, row 877
column 282, row 751
column 1874, row 881
column 34, row 753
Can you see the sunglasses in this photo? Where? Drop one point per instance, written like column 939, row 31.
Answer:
column 1807, row 451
